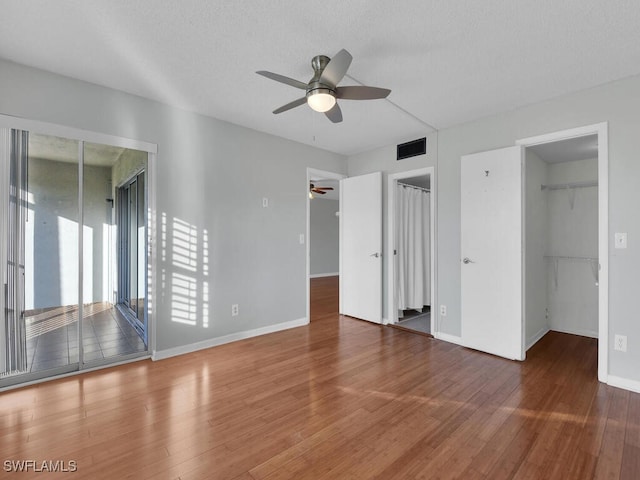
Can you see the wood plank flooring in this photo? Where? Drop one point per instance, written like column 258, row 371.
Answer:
column 324, row 297
column 338, row 399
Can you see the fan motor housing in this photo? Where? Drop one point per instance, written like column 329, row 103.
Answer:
column 318, row 63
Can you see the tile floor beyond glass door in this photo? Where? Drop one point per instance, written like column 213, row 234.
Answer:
column 52, row 338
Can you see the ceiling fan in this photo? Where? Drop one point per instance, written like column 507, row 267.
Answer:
column 322, row 91
column 319, row 190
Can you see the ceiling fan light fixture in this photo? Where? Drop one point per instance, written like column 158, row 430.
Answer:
column 321, row 99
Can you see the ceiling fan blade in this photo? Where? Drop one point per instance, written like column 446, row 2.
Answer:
column 290, row 105
column 336, row 68
column 320, row 192
column 335, row 114
column 324, row 188
column 357, row 92
column 282, row 79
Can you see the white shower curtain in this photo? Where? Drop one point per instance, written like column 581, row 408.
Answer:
column 413, row 259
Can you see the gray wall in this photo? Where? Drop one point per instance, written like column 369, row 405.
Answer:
column 324, row 241
column 617, row 103
column 211, row 177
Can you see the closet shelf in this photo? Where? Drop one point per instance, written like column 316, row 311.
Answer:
column 562, row 186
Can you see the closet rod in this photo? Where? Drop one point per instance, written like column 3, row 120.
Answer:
column 566, row 257
column 413, row 186
column 560, row 186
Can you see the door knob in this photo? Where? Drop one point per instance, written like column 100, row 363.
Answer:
column 466, row 260
column 375, row 255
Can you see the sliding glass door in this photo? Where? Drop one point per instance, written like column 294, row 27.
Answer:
column 61, row 240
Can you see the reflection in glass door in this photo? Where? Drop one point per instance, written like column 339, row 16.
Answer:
column 132, row 233
column 12, row 330
column 42, row 255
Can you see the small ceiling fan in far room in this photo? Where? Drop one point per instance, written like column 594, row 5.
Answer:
column 318, row 190
column 322, row 91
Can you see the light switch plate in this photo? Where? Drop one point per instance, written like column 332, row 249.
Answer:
column 620, row 240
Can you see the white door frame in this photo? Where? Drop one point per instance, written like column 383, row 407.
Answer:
column 601, row 130
column 392, row 312
column 315, row 173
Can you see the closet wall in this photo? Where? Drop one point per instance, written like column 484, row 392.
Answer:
column 561, row 248
column 573, row 232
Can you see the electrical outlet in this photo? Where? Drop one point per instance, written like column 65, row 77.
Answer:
column 265, row 202
column 620, row 343
column 234, row 310
column 443, row 310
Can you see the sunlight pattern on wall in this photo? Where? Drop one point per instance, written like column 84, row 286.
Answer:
column 185, row 245
column 68, row 263
column 186, row 249
column 184, row 307
column 205, row 282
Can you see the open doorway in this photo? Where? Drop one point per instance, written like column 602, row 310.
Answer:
column 565, row 229
column 411, row 285
column 323, row 245
column 561, row 237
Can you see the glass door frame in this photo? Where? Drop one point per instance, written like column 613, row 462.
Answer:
column 124, row 244
column 8, row 123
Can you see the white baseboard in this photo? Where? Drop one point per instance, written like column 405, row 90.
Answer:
column 543, row 331
column 448, row 338
column 625, row 383
column 320, row 275
column 233, row 337
column 576, row 331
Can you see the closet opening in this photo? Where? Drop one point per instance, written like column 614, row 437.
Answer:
column 411, row 235
column 561, row 230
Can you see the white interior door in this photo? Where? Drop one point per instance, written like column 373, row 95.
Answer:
column 361, row 247
column 491, row 256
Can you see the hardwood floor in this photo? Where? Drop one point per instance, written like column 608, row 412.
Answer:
column 337, row 399
column 324, row 297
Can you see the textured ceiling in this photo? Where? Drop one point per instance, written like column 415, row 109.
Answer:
column 445, row 62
